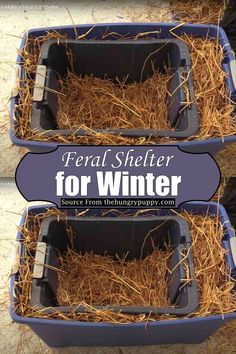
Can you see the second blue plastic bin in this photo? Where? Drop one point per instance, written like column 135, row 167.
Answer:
column 61, row 333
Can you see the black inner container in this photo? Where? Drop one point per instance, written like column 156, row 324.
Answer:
column 119, row 59
column 119, row 236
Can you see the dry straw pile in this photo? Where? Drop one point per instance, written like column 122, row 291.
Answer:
column 102, row 280
column 140, row 105
column 211, row 272
column 101, row 103
column 199, row 11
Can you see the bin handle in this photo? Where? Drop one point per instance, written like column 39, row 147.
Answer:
column 39, row 83
column 15, row 80
column 232, row 242
column 16, row 256
column 232, row 66
column 39, row 261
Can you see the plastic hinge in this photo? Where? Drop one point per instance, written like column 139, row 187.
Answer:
column 39, row 261
column 15, row 80
column 15, row 257
column 39, row 83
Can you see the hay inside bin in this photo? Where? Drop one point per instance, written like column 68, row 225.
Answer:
column 101, row 103
column 102, row 280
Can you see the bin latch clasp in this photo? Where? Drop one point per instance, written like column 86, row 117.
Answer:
column 39, row 262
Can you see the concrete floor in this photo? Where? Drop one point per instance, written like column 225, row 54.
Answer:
column 15, row 18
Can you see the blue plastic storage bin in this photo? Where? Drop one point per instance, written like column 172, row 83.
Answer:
column 61, row 333
column 209, row 145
